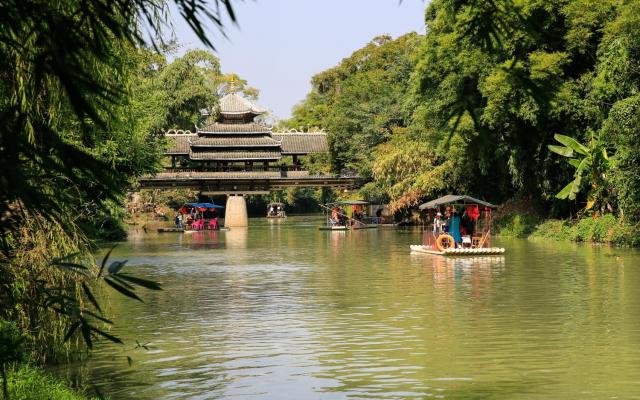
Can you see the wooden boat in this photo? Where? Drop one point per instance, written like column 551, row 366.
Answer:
column 278, row 210
column 450, row 234
column 338, row 220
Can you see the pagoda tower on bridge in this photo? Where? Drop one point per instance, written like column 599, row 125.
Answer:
column 232, row 153
column 235, row 141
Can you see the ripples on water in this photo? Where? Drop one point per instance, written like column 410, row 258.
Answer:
column 284, row 311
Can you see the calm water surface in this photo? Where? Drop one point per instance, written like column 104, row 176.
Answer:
column 285, row 311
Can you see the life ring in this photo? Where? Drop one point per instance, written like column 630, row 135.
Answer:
column 444, row 238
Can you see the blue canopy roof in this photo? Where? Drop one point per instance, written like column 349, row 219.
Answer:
column 206, row 205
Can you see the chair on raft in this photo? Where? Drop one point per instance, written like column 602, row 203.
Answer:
column 198, row 225
column 213, row 224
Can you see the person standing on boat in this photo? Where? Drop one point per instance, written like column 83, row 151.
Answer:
column 454, row 226
column 437, row 223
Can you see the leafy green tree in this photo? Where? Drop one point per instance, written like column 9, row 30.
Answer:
column 360, row 101
column 591, row 165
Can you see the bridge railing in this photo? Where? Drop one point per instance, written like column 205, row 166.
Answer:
column 235, row 168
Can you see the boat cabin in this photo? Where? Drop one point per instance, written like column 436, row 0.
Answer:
column 457, row 224
column 276, row 210
column 349, row 214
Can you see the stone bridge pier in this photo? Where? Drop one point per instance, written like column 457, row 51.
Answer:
column 236, row 212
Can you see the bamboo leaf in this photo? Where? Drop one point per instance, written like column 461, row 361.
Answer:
column 122, row 289
column 99, row 317
column 106, row 335
column 90, row 296
column 71, row 331
column 86, row 334
column 141, row 282
column 116, row 277
column 104, row 260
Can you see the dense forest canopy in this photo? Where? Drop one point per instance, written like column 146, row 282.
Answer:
column 477, row 103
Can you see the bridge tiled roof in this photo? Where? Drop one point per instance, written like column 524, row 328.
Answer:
column 233, row 103
column 268, row 155
column 178, row 144
column 235, row 141
column 302, row 142
column 218, row 128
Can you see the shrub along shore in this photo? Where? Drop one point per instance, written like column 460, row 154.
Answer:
column 603, row 230
column 27, row 382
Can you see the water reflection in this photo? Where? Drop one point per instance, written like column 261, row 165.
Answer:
column 236, row 238
column 287, row 311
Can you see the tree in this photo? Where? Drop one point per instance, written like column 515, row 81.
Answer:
column 69, row 146
column 591, row 165
column 360, row 101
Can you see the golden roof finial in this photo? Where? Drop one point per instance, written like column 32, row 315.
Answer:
column 232, row 84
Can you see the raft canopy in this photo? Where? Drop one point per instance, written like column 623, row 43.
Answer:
column 203, row 205
column 454, row 199
column 351, row 203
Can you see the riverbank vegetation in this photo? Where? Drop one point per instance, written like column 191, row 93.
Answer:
column 83, row 96
column 499, row 99
column 31, row 383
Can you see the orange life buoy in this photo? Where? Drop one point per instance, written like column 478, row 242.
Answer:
column 443, row 240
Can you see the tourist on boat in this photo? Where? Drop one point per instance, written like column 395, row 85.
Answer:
column 454, row 226
column 438, row 224
column 272, row 211
column 177, row 221
column 342, row 216
column 467, row 223
column 335, row 216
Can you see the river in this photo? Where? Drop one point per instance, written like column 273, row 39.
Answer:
column 285, row 311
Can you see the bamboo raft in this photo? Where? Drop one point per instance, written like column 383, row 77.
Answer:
column 481, row 251
column 165, row 230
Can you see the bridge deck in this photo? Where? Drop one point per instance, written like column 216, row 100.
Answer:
column 245, row 181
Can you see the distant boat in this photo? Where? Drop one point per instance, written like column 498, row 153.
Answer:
column 276, row 210
column 338, row 220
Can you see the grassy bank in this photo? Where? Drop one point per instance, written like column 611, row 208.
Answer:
column 606, row 229
column 30, row 383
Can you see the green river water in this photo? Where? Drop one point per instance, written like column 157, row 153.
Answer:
column 285, row 311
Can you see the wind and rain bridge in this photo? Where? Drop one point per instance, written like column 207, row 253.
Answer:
column 233, row 154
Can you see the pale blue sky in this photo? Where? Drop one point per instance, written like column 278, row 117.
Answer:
column 279, row 45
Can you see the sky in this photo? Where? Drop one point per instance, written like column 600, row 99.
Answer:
column 278, row 45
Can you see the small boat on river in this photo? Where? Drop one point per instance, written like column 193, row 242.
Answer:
column 458, row 225
column 338, row 219
column 276, row 210
column 182, row 230
column 193, row 217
